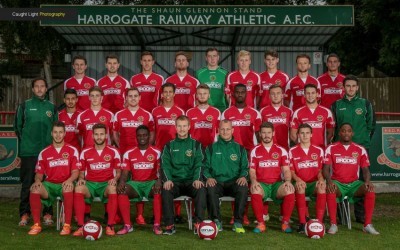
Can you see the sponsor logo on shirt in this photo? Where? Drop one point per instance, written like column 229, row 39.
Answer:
column 214, row 85
column 345, row 160
column 112, row 91
column 89, row 126
column 277, row 120
column 268, row 164
column 143, row 165
column 300, row 92
column 266, row 86
column 58, row 163
column 131, row 124
column 182, row 91
column 203, row 124
column 166, row 121
column 332, row 91
column 307, row 164
column 83, row 92
column 241, row 123
column 146, row 88
column 315, row 124
column 99, row 166
column 70, row 128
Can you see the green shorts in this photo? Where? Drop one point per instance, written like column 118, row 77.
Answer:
column 143, row 188
column 310, row 190
column 271, row 190
column 96, row 189
column 349, row 190
column 54, row 190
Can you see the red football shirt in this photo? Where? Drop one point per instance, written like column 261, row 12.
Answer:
column 294, row 91
column 100, row 166
column 87, row 119
column 149, row 89
column 204, row 124
column 57, row 165
column 126, row 122
column 306, row 165
column 143, row 164
column 252, row 82
column 281, row 118
column 246, row 123
column 331, row 90
column 320, row 119
column 164, row 121
column 71, row 135
column 346, row 161
column 114, row 92
column 185, row 90
column 82, row 89
column 279, row 78
column 268, row 163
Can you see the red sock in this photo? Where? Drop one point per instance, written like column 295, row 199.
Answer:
column 265, row 208
column 320, row 207
column 369, row 205
column 287, row 207
column 79, row 207
column 177, row 208
column 88, row 207
column 112, row 207
column 301, row 207
column 257, row 204
column 36, row 207
column 233, row 207
column 124, row 207
column 157, row 209
column 68, row 206
column 332, row 206
column 139, row 208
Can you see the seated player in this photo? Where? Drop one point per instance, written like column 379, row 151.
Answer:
column 268, row 162
column 143, row 162
column 306, row 167
column 59, row 162
column 344, row 159
column 98, row 177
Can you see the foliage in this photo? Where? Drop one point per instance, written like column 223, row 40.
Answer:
column 7, row 68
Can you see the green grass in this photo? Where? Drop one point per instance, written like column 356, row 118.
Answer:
column 386, row 221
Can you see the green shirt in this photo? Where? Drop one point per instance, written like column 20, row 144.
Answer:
column 215, row 79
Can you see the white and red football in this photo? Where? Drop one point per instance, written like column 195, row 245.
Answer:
column 314, row 229
column 207, row 230
column 92, row 230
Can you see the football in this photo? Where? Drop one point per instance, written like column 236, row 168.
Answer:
column 92, row 230
column 314, row 229
column 207, row 230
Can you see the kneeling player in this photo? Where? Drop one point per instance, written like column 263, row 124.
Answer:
column 267, row 162
column 306, row 167
column 59, row 162
column 343, row 159
column 143, row 162
column 97, row 179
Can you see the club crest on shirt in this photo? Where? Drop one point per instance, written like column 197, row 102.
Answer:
column 278, row 82
column 188, row 84
column 320, row 118
column 65, row 155
column 107, row 157
column 275, row 156
column 283, row 114
column 173, row 116
column 359, row 111
column 118, row 85
column 140, row 118
column 102, row 118
column 49, row 113
column 87, row 85
column 354, row 154
column 213, row 78
column 339, row 85
column 247, row 116
column 153, row 82
column 314, row 156
column 233, row 157
column 209, row 118
column 150, row 157
column 189, row 153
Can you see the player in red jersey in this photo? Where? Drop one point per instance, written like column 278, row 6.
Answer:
column 306, row 166
column 113, row 85
column 95, row 114
column 271, row 77
column 127, row 120
column 268, row 163
column 143, row 162
column 246, row 76
column 98, row 177
column 317, row 116
column 344, row 159
column 204, row 119
column 185, row 84
column 294, row 91
column 331, row 82
column 80, row 82
column 148, row 82
column 59, row 162
column 68, row 116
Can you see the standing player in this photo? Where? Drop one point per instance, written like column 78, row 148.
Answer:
column 148, row 82
column 317, row 116
column 80, row 82
column 143, row 162
column 268, row 163
column 331, row 82
column 294, row 91
column 68, row 116
column 181, row 163
column 306, row 166
column 243, row 76
column 204, row 119
column 214, row 76
column 344, row 159
column 98, row 177
column 93, row 115
column 271, row 77
column 185, row 84
column 59, row 162
column 113, row 85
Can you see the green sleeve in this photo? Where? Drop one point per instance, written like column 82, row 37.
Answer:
column 207, row 163
column 18, row 121
column 198, row 162
column 370, row 119
column 166, row 163
column 244, row 163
